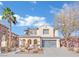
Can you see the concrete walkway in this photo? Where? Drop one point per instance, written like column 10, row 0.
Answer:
column 48, row 52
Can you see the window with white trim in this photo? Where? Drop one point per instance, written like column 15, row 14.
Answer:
column 45, row 31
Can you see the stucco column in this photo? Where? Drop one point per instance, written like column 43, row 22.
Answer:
column 58, row 43
column 53, row 32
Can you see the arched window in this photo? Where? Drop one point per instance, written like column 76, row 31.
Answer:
column 35, row 41
column 29, row 41
column 24, row 40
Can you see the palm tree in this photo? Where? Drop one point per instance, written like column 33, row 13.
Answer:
column 8, row 15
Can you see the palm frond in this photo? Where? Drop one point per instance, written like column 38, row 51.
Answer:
column 7, row 9
column 4, row 17
column 9, row 15
column 14, row 20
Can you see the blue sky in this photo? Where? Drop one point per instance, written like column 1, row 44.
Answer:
column 32, row 13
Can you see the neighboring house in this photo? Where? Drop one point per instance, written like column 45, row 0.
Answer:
column 44, row 36
column 3, row 32
column 4, row 36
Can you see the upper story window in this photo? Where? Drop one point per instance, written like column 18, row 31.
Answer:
column 35, row 32
column 45, row 31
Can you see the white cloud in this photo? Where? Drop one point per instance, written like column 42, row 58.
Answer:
column 1, row 3
column 53, row 10
column 34, row 2
column 0, row 17
column 30, row 20
column 41, row 24
column 65, row 5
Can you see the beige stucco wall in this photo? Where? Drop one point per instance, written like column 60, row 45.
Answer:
column 40, row 31
column 56, row 33
column 58, row 43
column 32, row 39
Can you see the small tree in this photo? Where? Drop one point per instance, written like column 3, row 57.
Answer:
column 67, row 20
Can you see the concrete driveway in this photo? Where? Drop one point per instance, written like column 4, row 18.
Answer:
column 48, row 52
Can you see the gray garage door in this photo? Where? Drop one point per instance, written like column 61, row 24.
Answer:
column 49, row 43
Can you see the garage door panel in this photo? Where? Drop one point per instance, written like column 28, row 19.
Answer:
column 49, row 43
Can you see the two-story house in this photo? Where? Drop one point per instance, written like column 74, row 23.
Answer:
column 44, row 36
